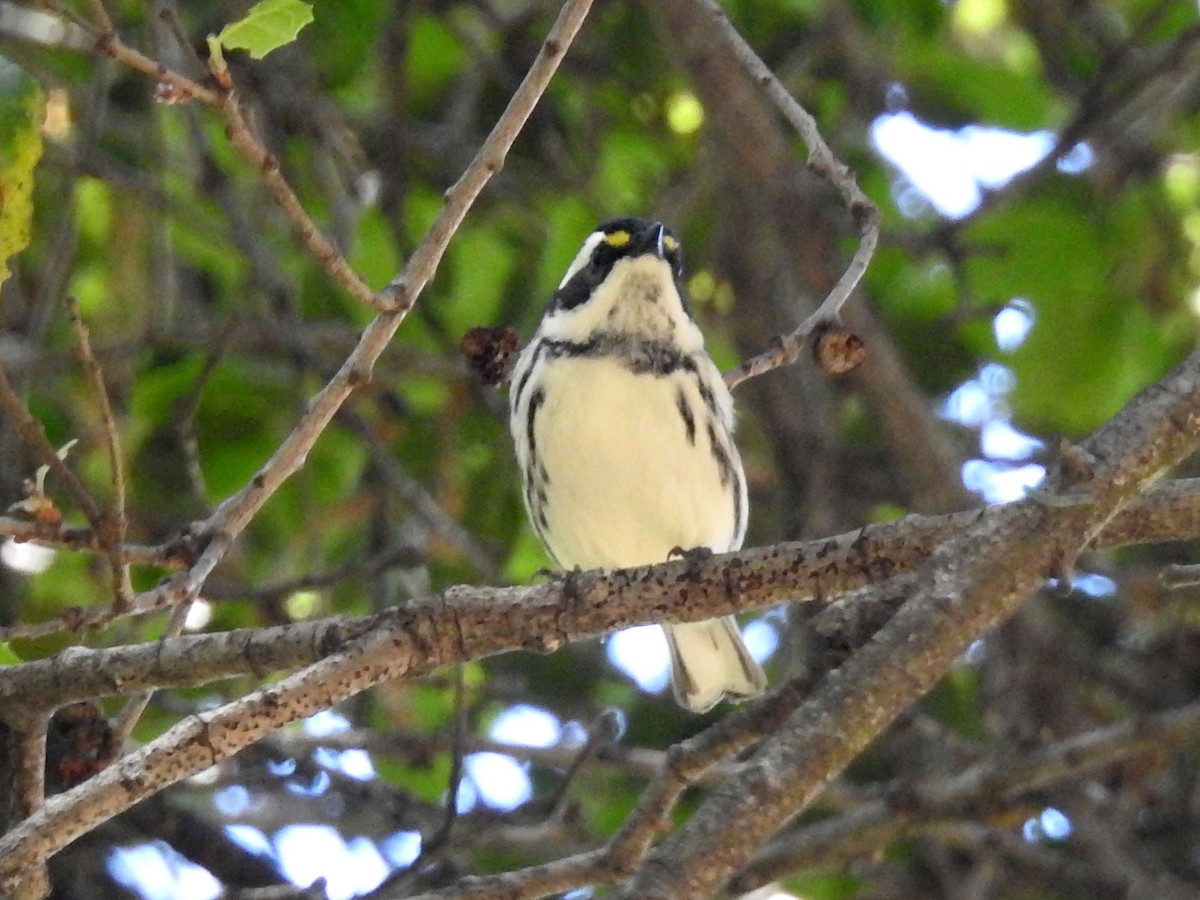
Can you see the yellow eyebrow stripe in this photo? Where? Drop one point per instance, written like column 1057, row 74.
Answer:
column 617, row 238
column 670, row 243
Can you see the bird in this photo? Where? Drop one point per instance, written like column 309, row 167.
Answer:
column 623, row 429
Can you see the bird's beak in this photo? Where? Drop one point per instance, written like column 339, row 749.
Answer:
column 651, row 241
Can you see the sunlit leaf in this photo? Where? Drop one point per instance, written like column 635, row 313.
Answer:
column 22, row 106
column 268, row 26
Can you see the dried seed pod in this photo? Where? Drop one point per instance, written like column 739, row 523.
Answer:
column 489, row 352
column 836, row 350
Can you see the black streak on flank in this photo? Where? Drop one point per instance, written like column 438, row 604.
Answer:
column 738, row 509
column 689, row 421
column 724, row 465
column 535, row 402
column 537, row 353
column 706, row 394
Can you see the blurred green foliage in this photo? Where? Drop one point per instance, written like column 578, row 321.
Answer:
column 214, row 327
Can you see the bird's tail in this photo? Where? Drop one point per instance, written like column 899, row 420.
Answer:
column 709, row 661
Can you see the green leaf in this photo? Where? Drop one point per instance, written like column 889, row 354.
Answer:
column 22, row 105
column 825, row 885
column 1093, row 344
column 268, row 26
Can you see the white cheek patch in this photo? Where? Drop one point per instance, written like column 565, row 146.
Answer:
column 583, row 256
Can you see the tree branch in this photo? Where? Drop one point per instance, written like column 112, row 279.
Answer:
column 996, row 783
column 473, row 622
column 969, row 585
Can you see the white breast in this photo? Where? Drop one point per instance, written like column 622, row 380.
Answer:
column 624, row 485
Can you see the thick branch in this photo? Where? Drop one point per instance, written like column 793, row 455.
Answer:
column 993, row 784
column 970, row 584
column 476, row 622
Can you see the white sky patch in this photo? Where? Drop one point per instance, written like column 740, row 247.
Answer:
column 1094, row 584
column 158, row 872
column 250, row 838
column 232, row 801
column 352, row 763
column 281, row 767
column 309, row 787
column 1051, row 824
column 982, row 403
column 761, row 639
column 999, row 440
column 326, row 722
column 641, row 653
column 199, row 614
column 402, row 848
column 573, row 734
column 467, row 797
column 1078, row 159
column 1001, row 483
column 968, row 404
column 500, row 780
column 1012, row 324
column 528, row 726
column 309, row 852
column 26, row 557
column 951, row 169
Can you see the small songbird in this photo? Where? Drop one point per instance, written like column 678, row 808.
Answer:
column 623, row 428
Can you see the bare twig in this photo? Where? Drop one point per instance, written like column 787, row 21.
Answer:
column 823, row 162
column 1180, row 575
column 108, row 43
column 35, row 437
column 998, row 783
column 76, row 538
column 548, row 879
column 112, row 536
column 236, row 512
column 399, row 555
column 435, row 843
column 267, row 165
column 136, row 705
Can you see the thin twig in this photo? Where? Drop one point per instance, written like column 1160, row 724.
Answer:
column 399, row 555
column 823, row 162
column 267, row 165
column 402, row 292
column 78, row 538
column 103, row 19
column 108, row 43
column 233, row 515
column 35, row 437
column 1000, row 782
column 603, row 732
column 133, row 709
column 433, row 845
column 112, row 537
